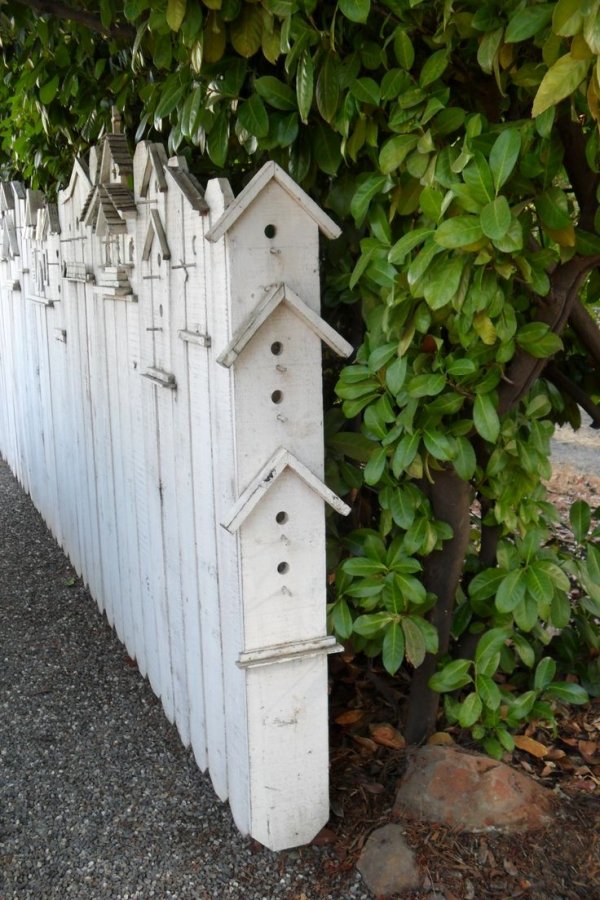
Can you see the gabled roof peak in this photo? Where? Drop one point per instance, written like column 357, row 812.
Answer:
column 272, row 172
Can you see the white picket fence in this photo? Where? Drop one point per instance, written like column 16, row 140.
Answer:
column 161, row 401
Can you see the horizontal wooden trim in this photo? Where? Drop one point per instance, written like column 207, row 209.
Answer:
column 281, row 653
column 194, row 337
column 160, row 377
column 42, row 301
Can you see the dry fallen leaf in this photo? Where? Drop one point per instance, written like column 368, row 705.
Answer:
column 440, row 739
column 555, row 753
column 588, row 750
column 350, row 717
column 387, row 736
column 367, row 743
column 510, row 868
column 531, row 746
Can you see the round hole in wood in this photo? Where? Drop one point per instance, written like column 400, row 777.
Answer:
column 283, row 567
column 270, row 231
column 277, row 396
column 281, row 517
column 276, row 348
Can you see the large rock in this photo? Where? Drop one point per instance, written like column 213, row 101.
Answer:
column 470, row 791
column 387, row 864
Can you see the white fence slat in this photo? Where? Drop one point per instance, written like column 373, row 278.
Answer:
column 160, row 359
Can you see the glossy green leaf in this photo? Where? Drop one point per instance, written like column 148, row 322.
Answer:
column 368, row 187
column 487, row 654
column 504, row 155
column 392, row 653
column 372, row 624
column 511, row 591
column 544, row 673
column 561, row 79
column 408, row 242
column 49, row 90
column 485, row 418
column 414, row 642
column 496, row 218
column 375, row 467
column 567, row 692
column 528, row 22
column 459, row 231
column 175, row 13
column 453, row 676
column 252, row 115
column 341, row 619
column 395, row 150
column 355, row 10
column 580, row 517
column 470, row 710
column 327, row 92
column 488, row 691
column 276, row 93
column 305, row 77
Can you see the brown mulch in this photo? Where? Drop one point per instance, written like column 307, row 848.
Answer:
column 561, row 862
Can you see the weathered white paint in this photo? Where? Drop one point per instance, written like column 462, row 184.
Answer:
column 160, row 367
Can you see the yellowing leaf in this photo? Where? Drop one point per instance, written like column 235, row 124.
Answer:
column 560, row 80
column 529, row 745
column 175, row 13
column 440, row 739
column 387, row 736
column 246, row 31
column 485, row 328
column 565, row 237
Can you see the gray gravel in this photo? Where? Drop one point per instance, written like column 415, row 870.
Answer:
column 97, row 796
column 580, row 450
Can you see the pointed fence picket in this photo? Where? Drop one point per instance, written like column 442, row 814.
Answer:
column 160, row 367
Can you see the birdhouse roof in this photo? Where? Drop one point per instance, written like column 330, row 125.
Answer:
column 272, row 172
column 264, row 480
column 282, row 294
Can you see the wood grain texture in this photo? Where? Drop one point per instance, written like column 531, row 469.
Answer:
column 160, row 364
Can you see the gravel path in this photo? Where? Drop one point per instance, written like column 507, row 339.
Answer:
column 98, row 798
column 578, row 449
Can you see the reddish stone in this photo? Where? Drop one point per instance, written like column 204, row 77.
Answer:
column 470, row 791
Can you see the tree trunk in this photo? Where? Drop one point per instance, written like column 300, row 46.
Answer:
column 450, row 498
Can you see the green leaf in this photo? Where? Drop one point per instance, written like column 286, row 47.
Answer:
column 175, row 13
column 567, row 692
column 478, row 177
column 459, row 232
column 366, row 90
column 560, row 611
column 487, row 654
column 395, row 150
column 49, row 90
column 327, row 148
column 553, row 209
column 567, row 18
column 561, row 79
column 375, row 467
column 328, row 88
column 408, row 242
column 544, row 673
column 371, row 624
column 511, row 591
column 525, row 650
column 352, row 444
column 489, row 691
column 305, row 80
column 368, row 187
column 392, row 653
column 170, row 98
column 252, row 116
column 580, row 517
column 528, row 22
column 470, row 710
column 363, row 566
column 434, row 67
column 538, row 340
column 503, row 156
column 485, row 418
column 526, row 613
column 246, row 30
column 438, row 444
column 521, row 706
column 403, row 49
column 496, row 218
column 396, row 374
column 275, row 93
column 355, row 10
column 453, row 676
column 218, row 139
column 425, row 385
column 539, row 585
column 415, row 642
column 464, row 460
column 341, row 619
column 442, row 280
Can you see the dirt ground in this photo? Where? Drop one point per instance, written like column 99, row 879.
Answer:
column 561, row 862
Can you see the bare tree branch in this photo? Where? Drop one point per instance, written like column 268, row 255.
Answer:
column 566, row 282
column 586, row 330
column 59, row 10
column 564, row 384
column 583, row 181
